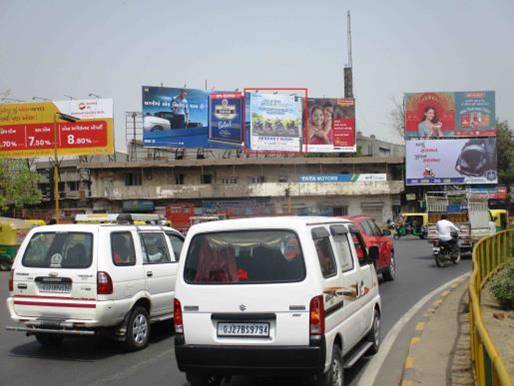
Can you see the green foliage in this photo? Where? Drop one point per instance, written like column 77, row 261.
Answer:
column 18, row 184
column 502, row 287
column 505, row 147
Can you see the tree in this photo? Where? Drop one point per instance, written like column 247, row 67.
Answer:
column 18, row 184
column 397, row 118
column 505, row 151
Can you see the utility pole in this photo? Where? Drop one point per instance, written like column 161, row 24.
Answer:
column 348, row 69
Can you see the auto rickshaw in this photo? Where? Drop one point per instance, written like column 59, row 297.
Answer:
column 500, row 218
column 412, row 224
column 12, row 233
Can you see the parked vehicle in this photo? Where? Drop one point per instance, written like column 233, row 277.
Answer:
column 86, row 279
column 12, row 233
column 500, row 218
column 386, row 263
column 412, row 224
column 275, row 296
column 446, row 251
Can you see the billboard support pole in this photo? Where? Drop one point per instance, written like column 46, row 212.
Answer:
column 56, row 173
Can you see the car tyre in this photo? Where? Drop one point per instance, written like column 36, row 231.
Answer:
column 138, row 330
column 204, row 380
column 374, row 334
column 49, row 340
column 157, row 128
column 335, row 374
column 389, row 273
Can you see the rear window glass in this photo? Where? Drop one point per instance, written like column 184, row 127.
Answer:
column 244, row 257
column 59, row 250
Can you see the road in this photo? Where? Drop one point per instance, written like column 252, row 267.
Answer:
column 87, row 362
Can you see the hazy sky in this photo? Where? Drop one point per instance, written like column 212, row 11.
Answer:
column 112, row 47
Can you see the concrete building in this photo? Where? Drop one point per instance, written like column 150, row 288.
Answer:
column 253, row 186
column 374, row 147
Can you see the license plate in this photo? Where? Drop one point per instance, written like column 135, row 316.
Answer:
column 254, row 330
column 54, row 287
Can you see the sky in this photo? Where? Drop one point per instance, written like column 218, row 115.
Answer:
column 111, row 48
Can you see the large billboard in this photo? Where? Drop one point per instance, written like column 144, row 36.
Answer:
column 451, row 161
column 226, row 117
column 31, row 129
column 175, row 117
column 275, row 122
column 331, row 125
column 450, row 114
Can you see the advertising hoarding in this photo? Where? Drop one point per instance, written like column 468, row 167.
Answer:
column 175, row 117
column 450, row 114
column 275, row 122
column 331, row 125
column 369, row 177
column 27, row 130
column 226, row 117
column 451, row 161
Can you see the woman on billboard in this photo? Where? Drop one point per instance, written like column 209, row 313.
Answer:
column 319, row 133
column 430, row 126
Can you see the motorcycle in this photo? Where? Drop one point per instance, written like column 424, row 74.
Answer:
column 446, row 251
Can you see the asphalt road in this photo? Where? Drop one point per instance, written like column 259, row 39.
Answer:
column 86, row 361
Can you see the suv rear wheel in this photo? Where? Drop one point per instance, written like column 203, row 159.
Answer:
column 138, row 329
column 49, row 340
column 335, row 374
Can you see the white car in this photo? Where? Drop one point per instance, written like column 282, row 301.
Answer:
column 275, row 296
column 153, row 123
column 85, row 279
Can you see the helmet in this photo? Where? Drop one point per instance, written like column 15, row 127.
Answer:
column 477, row 157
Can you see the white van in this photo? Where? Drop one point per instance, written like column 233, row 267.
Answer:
column 275, row 296
column 87, row 279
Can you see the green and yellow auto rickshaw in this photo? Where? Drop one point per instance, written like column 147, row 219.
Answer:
column 12, row 233
column 500, row 218
column 414, row 224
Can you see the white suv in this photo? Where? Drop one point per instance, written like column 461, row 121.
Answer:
column 275, row 296
column 86, row 279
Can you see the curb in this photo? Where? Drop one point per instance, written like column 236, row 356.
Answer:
column 410, row 361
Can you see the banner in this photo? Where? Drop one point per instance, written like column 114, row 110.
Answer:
column 226, row 118
column 275, row 122
column 371, row 177
column 451, row 162
column 30, row 130
column 331, row 126
column 174, row 117
column 450, row 114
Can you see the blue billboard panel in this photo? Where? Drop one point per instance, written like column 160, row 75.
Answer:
column 226, row 118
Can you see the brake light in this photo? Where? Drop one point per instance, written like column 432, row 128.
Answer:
column 317, row 316
column 177, row 317
column 11, row 281
column 103, row 283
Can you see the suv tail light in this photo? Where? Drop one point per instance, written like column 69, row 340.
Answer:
column 317, row 316
column 11, row 281
column 103, row 283
column 177, row 317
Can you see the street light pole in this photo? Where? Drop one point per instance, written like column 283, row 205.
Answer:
column 56, row 173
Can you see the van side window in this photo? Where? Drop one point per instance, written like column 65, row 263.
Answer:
column 155, row 250
column 122, row 249
column 343, row 252
column 176, row 243
column 325, row 252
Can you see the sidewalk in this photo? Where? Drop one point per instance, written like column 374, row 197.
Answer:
column 439, row 351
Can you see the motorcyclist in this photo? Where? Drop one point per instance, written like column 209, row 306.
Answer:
column 446, row 231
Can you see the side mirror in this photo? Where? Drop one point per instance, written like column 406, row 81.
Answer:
column 386, row 232
column 373, row 254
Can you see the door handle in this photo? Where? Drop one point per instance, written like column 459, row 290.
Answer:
column 149, row 274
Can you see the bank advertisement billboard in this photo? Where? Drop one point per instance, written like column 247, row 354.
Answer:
column 30, row 130
column 450, row 114
column 226, row 118
column 330, row 126
column 175, row 117
column 451, row 161
column 275, row 122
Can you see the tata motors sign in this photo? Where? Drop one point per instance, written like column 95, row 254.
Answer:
column 36, row 129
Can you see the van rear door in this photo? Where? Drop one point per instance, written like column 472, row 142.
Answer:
column 55, row 276
column 245, row 287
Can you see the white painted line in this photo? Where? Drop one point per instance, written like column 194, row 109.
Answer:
column 370, row 371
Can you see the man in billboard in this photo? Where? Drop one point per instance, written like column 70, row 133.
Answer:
column 180, row 110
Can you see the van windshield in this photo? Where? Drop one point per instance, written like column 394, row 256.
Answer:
column 245, row 257
column 59, row 250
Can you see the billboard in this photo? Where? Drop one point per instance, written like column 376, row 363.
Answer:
column 450, row 114
column 275, row 122
column 451, row 161
column 331, row 125
column 226, row 118
column 29, row 129
column 175, row 117
column 369, row 177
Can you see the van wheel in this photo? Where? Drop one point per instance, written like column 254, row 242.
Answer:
column 374, row 334
column 49, row 340
column 204, row 380
column 389, row 273
column 335, row 374
column 5, row 265
column 138, row 330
